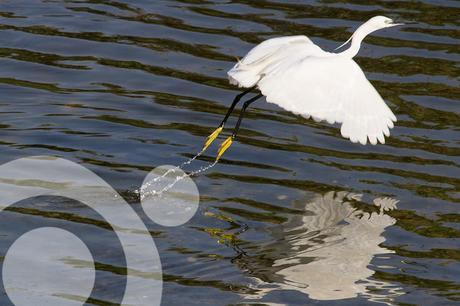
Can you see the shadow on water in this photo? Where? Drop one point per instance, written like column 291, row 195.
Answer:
column 326, row 252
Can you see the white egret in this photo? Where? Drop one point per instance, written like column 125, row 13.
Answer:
column 300, row 77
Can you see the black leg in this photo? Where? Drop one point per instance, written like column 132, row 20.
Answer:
column 216, row 133
column 243, row 110
column 234, row 103
column 228, row 142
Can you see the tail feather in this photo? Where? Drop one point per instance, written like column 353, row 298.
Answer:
column 243, row 77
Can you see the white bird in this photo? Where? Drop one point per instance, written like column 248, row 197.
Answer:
column 300, row 77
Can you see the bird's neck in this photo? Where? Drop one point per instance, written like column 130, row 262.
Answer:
column 356, row 40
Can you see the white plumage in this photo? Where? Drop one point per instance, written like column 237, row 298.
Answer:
column 300, row 77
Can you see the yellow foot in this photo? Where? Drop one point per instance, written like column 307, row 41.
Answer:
column 224, row 146
column 212, row 137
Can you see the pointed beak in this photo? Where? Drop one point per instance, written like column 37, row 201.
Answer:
column 399, row 23
column 395, row 23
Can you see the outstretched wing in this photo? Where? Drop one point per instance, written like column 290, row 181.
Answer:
column 330, row 88
column 248, row 71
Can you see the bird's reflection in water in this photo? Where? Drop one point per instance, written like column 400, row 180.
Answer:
column 326, row 252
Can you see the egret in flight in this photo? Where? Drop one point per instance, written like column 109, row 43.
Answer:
column 300, row 77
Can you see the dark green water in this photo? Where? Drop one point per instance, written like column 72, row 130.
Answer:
column 124, row 87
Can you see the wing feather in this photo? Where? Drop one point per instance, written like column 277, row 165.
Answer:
column 330, row 88
column 248, row 71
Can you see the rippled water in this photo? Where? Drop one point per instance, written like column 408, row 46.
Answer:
column 288, row 215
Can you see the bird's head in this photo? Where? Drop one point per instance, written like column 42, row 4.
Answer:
column 381, row 22
column 373, row 24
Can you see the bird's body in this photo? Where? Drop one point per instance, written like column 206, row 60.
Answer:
column 300, row 77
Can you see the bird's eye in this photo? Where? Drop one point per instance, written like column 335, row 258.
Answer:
column 388, row 21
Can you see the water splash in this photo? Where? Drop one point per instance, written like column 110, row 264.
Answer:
column 175, row 206
column 164, row 184
column 150, row 188
column 180, row 167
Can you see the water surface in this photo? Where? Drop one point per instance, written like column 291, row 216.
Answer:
column 288, row 215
